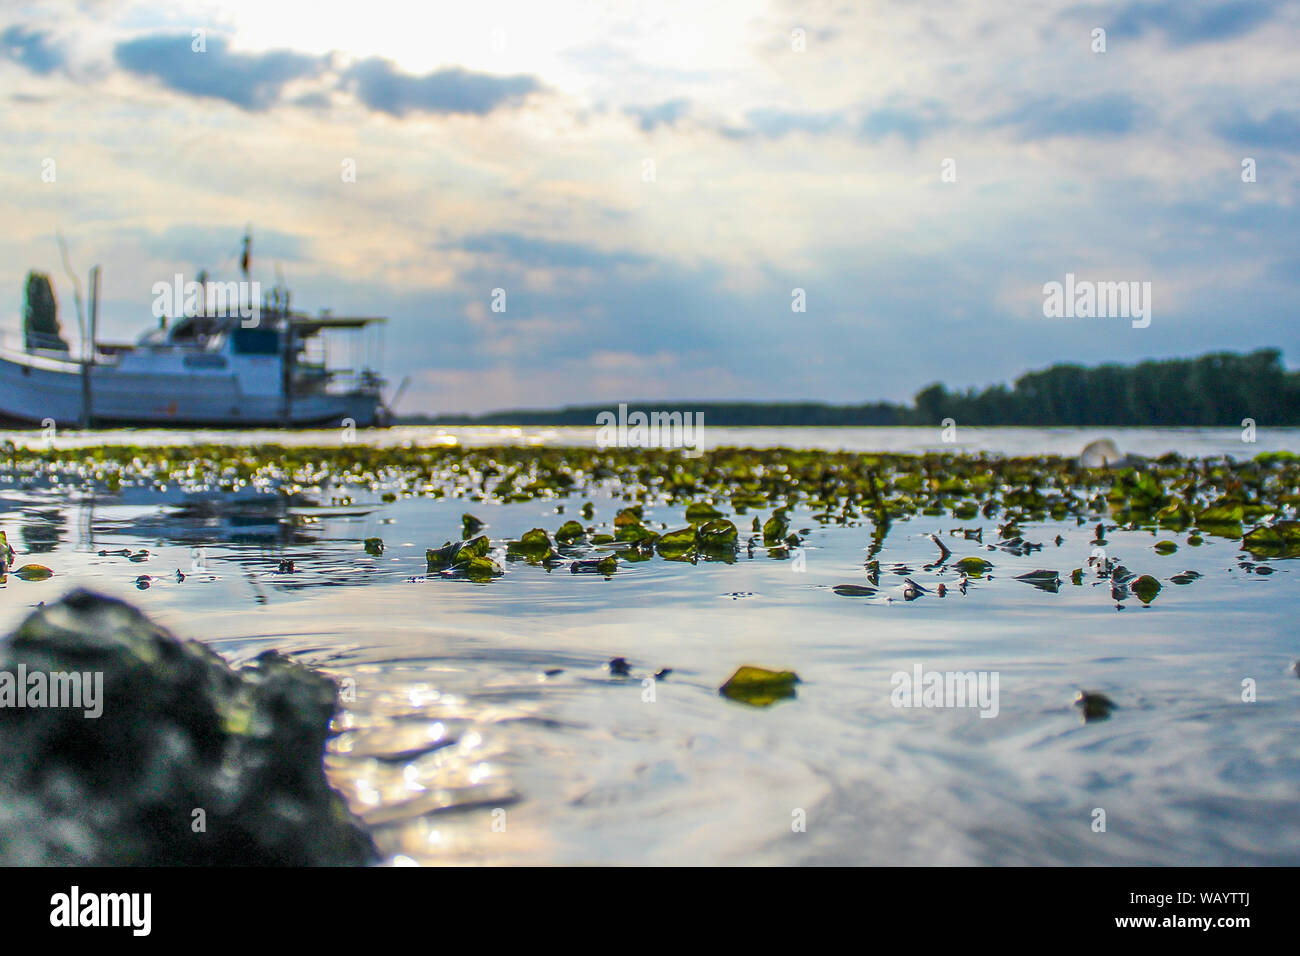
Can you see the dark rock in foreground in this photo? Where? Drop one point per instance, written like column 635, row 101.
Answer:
column 189, row 762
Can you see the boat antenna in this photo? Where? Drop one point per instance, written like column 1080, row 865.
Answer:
column 245, row 260
column 76, row 283
column 391, row 404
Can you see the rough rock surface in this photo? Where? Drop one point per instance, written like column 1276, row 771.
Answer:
column 180, row 732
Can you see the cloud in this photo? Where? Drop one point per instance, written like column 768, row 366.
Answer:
column 665, row 114
column 775, row 124
column 381, row 87
column 1107, row 114
column 217, row 246
column 251, row 81
column 31, row 48
column 1280, row 130
column 256, row 81
column 912, row 123
column 1285, row 271
column 530, row 252
column 1187, row 22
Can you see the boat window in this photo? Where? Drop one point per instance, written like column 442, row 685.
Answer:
column 255, row 341
column 205, row 361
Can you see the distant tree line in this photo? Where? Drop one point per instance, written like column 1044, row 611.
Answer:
column 1221, row 388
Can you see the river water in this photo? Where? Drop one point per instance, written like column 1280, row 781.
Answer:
column 483, row 724
column 1149, row 442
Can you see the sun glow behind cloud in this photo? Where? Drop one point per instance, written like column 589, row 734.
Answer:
column 516, row 37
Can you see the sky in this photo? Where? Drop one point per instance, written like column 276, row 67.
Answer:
column 655, row 187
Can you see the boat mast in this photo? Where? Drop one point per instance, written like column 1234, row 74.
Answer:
column 81, row 323
column 88, row 334
column 287, row 384
column 282, row 307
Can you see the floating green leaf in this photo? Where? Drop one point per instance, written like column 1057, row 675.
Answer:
column 33, row 572
column 1176, row 514
column 569, row 532
column 759, row 687
column 452, row 555
column 775, row 528
column 1146, row 588
column 534, row 545
column 481, row 569
column 606, row 565
column 854, row 590
column 628, row 516
column 1221, row 512
column 676, row 544
column 701, row 511
column 442, row 557
column 974, row 567
column 1280, row 539
column 474, row 548
column 635, row 533
column 717, row 536
column 1043, row 580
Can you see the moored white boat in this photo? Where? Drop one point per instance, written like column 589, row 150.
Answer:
column 203, row 370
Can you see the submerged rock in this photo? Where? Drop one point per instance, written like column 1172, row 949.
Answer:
column 171, row 756
column 1095, row 706
column 1102, row 453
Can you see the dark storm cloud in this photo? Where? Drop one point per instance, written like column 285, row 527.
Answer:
column 382, row 87
column 252, row 81
column 30, row 48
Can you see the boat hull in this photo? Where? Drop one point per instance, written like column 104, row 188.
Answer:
column 36, row 391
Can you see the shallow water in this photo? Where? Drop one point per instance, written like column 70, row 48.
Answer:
column 458, row 747
column 1150, row 442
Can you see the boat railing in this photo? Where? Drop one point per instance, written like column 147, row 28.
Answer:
column 45, row 342
column 14, row 345
column 340, row 381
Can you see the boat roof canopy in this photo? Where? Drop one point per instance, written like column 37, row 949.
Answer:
column 310, row 325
